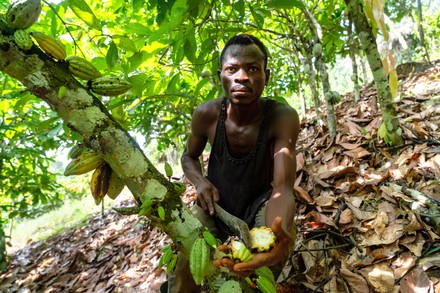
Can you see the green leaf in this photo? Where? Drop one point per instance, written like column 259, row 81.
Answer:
column 112, row 55
column 146, row 207
column 383, row 133
column 172, row 264
column 190, row 45
column 161, row 213
column 239, row 6
column 83, row 11
column 259, row 19
column 125, row 43
column 279, row 4
column 168, row 170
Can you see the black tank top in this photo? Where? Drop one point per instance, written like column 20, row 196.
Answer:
column 244, row 183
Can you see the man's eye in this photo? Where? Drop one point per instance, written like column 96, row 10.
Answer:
column 230, row 69
column 253, row 69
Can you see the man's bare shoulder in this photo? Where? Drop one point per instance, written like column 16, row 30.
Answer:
column 208, row 110
column 285, row 120
column 282, row 109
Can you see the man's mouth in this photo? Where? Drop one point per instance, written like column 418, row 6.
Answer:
column 241, row 89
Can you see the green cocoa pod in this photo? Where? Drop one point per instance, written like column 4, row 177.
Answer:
column 210, row 239
column 76, row 151
column 266, row 273
column 81, row 68
column 240, row 252
column 317, row 50
column 265, row 285
column 109, row 86
column 306, row 68
column 23, row 39
column 22, row 14
column 199, row 259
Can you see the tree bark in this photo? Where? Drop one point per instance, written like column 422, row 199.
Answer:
column 320, row 66
column 352, row 54
column 421, row 31
column 83, row 112
column 368, row 42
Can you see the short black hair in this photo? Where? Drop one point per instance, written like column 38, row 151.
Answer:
column 244, row 40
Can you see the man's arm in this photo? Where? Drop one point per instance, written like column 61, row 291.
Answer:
column 200, row 126
column 282, row 202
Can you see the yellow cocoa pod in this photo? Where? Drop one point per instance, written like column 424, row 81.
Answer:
column 109, row 86
column 262, row 238
column 23, row 39
column 100, row 182
column 84, row 163
column 22, row 14
column 82, row 68
column 200, row 257
column 50, row 45
column 116, row 185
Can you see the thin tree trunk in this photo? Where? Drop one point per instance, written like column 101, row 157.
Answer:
column 368, row 41
column 300, row 82
column 352, row 53
column 320, row 66
column 421, row 31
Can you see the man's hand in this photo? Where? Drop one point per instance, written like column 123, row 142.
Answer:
column 276, row 255
column 207, row 194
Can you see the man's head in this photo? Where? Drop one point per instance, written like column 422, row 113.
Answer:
column 243, row 73
column 243, row 40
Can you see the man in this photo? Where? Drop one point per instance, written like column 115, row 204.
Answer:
column 252, row 164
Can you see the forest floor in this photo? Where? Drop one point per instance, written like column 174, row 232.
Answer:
column 368, row 214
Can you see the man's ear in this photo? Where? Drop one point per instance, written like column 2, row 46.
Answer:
column 218, row 75
column 267, row 73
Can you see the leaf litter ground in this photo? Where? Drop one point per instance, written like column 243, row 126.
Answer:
column 368, row 214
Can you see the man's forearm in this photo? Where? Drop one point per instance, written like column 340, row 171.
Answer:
column 282, row 205
column 192, row 169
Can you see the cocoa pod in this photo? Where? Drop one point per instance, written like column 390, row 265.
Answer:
column 317, row 50
column 210, row 239
column 84, row 163
column 23, row 39
column 50, row 45
column 116, row 185
column 262, row 238
column 240, row 252
column 82, row 68
column 200, row 257
column 109, row 86
column 100, row 182
column 265, row 285
column 22, row 14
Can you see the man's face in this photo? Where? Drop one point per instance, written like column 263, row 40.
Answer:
column 242, row 75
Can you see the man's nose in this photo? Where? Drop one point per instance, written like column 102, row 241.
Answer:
column 241, row 75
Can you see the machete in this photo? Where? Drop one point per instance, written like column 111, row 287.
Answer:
column 238, row 226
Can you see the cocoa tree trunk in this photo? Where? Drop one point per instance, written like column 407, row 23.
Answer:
column 321, row 68
column 85, row 114
column 352, row 54
column 368, row 43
